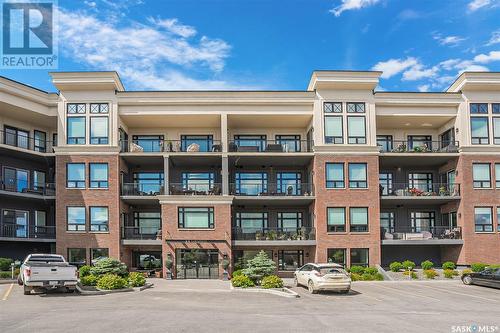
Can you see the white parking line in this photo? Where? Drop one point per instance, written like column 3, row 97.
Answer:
column 464, row 294
column 7, row 293
column 406, row 292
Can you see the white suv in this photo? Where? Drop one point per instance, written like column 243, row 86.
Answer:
column 323, row 277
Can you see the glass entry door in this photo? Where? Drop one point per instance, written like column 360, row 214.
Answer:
column 197, row 264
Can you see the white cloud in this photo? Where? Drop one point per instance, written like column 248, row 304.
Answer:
column 423, row 87
column 495, row 38
column 352, row 5
column 159, row 55
column 476, row 4
column 449, row 40
column 392, row 67
column 487, row 58
column 419, row 72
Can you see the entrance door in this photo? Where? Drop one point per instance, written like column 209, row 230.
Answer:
column 197, row 264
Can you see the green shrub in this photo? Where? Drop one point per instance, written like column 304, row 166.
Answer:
column 111, row 282
column 271, row 281
column 378, row 277
column 356, row 277
column 395, row 266
column 466, row 271
column 136, row 279
column 242, row 281
column 238, row 272
column 408, row 265
column 259, row 266
column 17, row 271
column 478, row 267
column 357, row 270
column 430, row 273
column 413, row 274
column 84, row 271
column 372, row 277
column 427, row 265
column 89, row 280
column 449, row 273
column 5, row 275
column 493, row 266
column 109, row 266
column 371, row 270
column 5, row 264
column 448, row 265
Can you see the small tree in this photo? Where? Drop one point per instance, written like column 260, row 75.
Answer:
column 259, row 266
column 109, row 266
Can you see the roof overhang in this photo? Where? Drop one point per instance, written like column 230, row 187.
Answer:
column 71, row 81
column 417, row 99
column 360, row 80
column 476, row 81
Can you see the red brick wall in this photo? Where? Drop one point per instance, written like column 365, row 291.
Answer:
column 347, row 198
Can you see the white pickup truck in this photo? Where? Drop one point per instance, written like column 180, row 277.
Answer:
column 45, row 272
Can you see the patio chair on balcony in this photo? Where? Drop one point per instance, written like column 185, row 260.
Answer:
column 135, row 148
column 194, row 147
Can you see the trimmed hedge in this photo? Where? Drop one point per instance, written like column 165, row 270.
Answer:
column 357, row 269
column 5, row 275
column 448, row 265
column 408, row 265
column 5, row 264
column 371, row 270
column 136, row 279
column 395, row 266
column 242, row 281
column 271, row 281
column 430, row 273
column 427, row 265
column 238, row 272
column 84, row 271
column 89, row 280
column 449, row 273
column 111, row 282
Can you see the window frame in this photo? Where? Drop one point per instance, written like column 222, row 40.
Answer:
column 335, row 181
column 336, row 227
column 478, row 108
column 329, row 254
column 99, row 108
column 299, row 220
column 388, row 141
column 75, row 262
column 77, row 108
column 357, row 183
column 484, row 225
column 77, row 229
column 281, row 257
column 496, row 136
column 100, row 140
column 355, row 104
column 497, row 175
column 181, row 223
column 359, row 264
column 480, row 184
column 37, row 147
column 103, row 184
column 100, row 227
column 335, row 107
column 480, row 140
column 333, row 139
column 76, row 140
column 100, row 249
column 358, row 140
column 77, row 182
column 207, row 138
column 264, row 219
column 355, row 228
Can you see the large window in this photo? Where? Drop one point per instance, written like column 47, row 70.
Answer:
column 387, row 221
column 77, row 256
column 481, row 175
column 250, row 142
column 40, row 142
column 38, row 180
column 357, row 175
column 419, row 142
column 335, row 217
column 204, row 142
column 385, row 142
column 196, row 217
column 497, row 175
column 496, row 130
column 98, row 175
column 99, row 219
column 148, row 223
column 251, row 183
column 356, row 130
column 16, row 137
column 198, row 181
column 149, row 143
column 422, row 221
column 75, row 218
column 358, row 218
column 421, row 181
column 15, row 180
column 76, row 131
column 251, row 220
column 290, row 260
column 75, row 175
column 483, row 220
column 98, row 254
column 359, row 257
column 334, row 129
column 289, row 183
column 479, row 130
column 99, row 130
column 289, row 220
column 15, row 223
column 337, row 256
column 148, row 182
column 335, row 175
column 290, row 143
column 385, row 181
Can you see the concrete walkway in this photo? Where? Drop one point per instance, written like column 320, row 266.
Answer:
column 207, row 286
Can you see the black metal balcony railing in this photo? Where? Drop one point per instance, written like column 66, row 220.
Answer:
column 420, row 233
column 419, row 146
column 420, row 190
column 173, row 146
column 195, row 189
column 26, row 142
column 27, row 231
column 23, row 186
column 271, row 146
column 271, row 189
column 141, row 233
column 142, row 189
column 284, row 234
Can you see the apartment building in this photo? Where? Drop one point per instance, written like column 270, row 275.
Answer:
column 336, row 172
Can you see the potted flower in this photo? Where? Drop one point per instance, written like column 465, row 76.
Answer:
column 443, row 191
column 168, row 265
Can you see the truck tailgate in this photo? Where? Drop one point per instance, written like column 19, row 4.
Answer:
column 56, row 272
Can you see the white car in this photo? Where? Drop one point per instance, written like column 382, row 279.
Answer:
column 318, row 277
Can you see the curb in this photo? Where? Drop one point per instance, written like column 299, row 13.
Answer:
column 278, row 292
column 382, row 271
column 7, row 281
column 105, row 292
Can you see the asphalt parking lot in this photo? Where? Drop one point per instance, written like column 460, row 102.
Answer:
column 210, row 306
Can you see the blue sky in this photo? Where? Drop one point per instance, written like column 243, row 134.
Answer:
column 264, row 44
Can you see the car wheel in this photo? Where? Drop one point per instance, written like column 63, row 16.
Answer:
column 27, row 290
column 467, row 280
column 310, row 287
column 70, row 290
column 296, row 282
column 19, row 281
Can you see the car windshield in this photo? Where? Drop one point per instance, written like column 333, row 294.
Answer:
column 332, row 270
column 45, row 259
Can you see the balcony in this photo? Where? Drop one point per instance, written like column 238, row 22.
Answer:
column 170, row 146
column 405, row 193
column 21, row 232
column 141, row 235
column 24, row 189
column 275, row 193
column 418, row 146
column 407, row 235
column 142, row 189
column 195, row 189
column 22, row 141
column 271, row 146
column 274, row 236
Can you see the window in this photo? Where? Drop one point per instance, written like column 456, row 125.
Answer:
column 198, row 181
column 422, row 221
column 498, row 218
column 478, row 108
column 289, row 183
column 359, row 257
column 385, row 181
column 495, row 107
column 75, row 175
column 481, row 175
column 241, row 257
column 387, row 221
column 290, row 143
column 419, row 142
column 337, row 256
column 335, row 175
column 15, row 223
column 205, row 142
column 99, row 130
column 356, row 130
column 15, row 180
column 147, row 223
column 385, row 143
column 77, row 256
column 149, row 143
column 75, row 218
column 289, row 221
column 148, row 182
column 496, row 130
column 99, row 217
column 74, row 108
column 497, row 175
column 335, row 107
column 98, row 175
column 357, row 175
column 290, row 260
column 483, row 219
column 358, row 218
column 196, row 218
column 41, row 223
column 251, row 220
column 250, row 142
column 334, row 132
column 335, row 217
column 98, row 254
column 356, row 107
column 479, row 130
column 447, row 138
column 76, row 131
column 39, row 181
column 40, row 141
column 420, row 181
column 449, row 220
column 251, row 183
column 99, row 108
column 16, row 137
